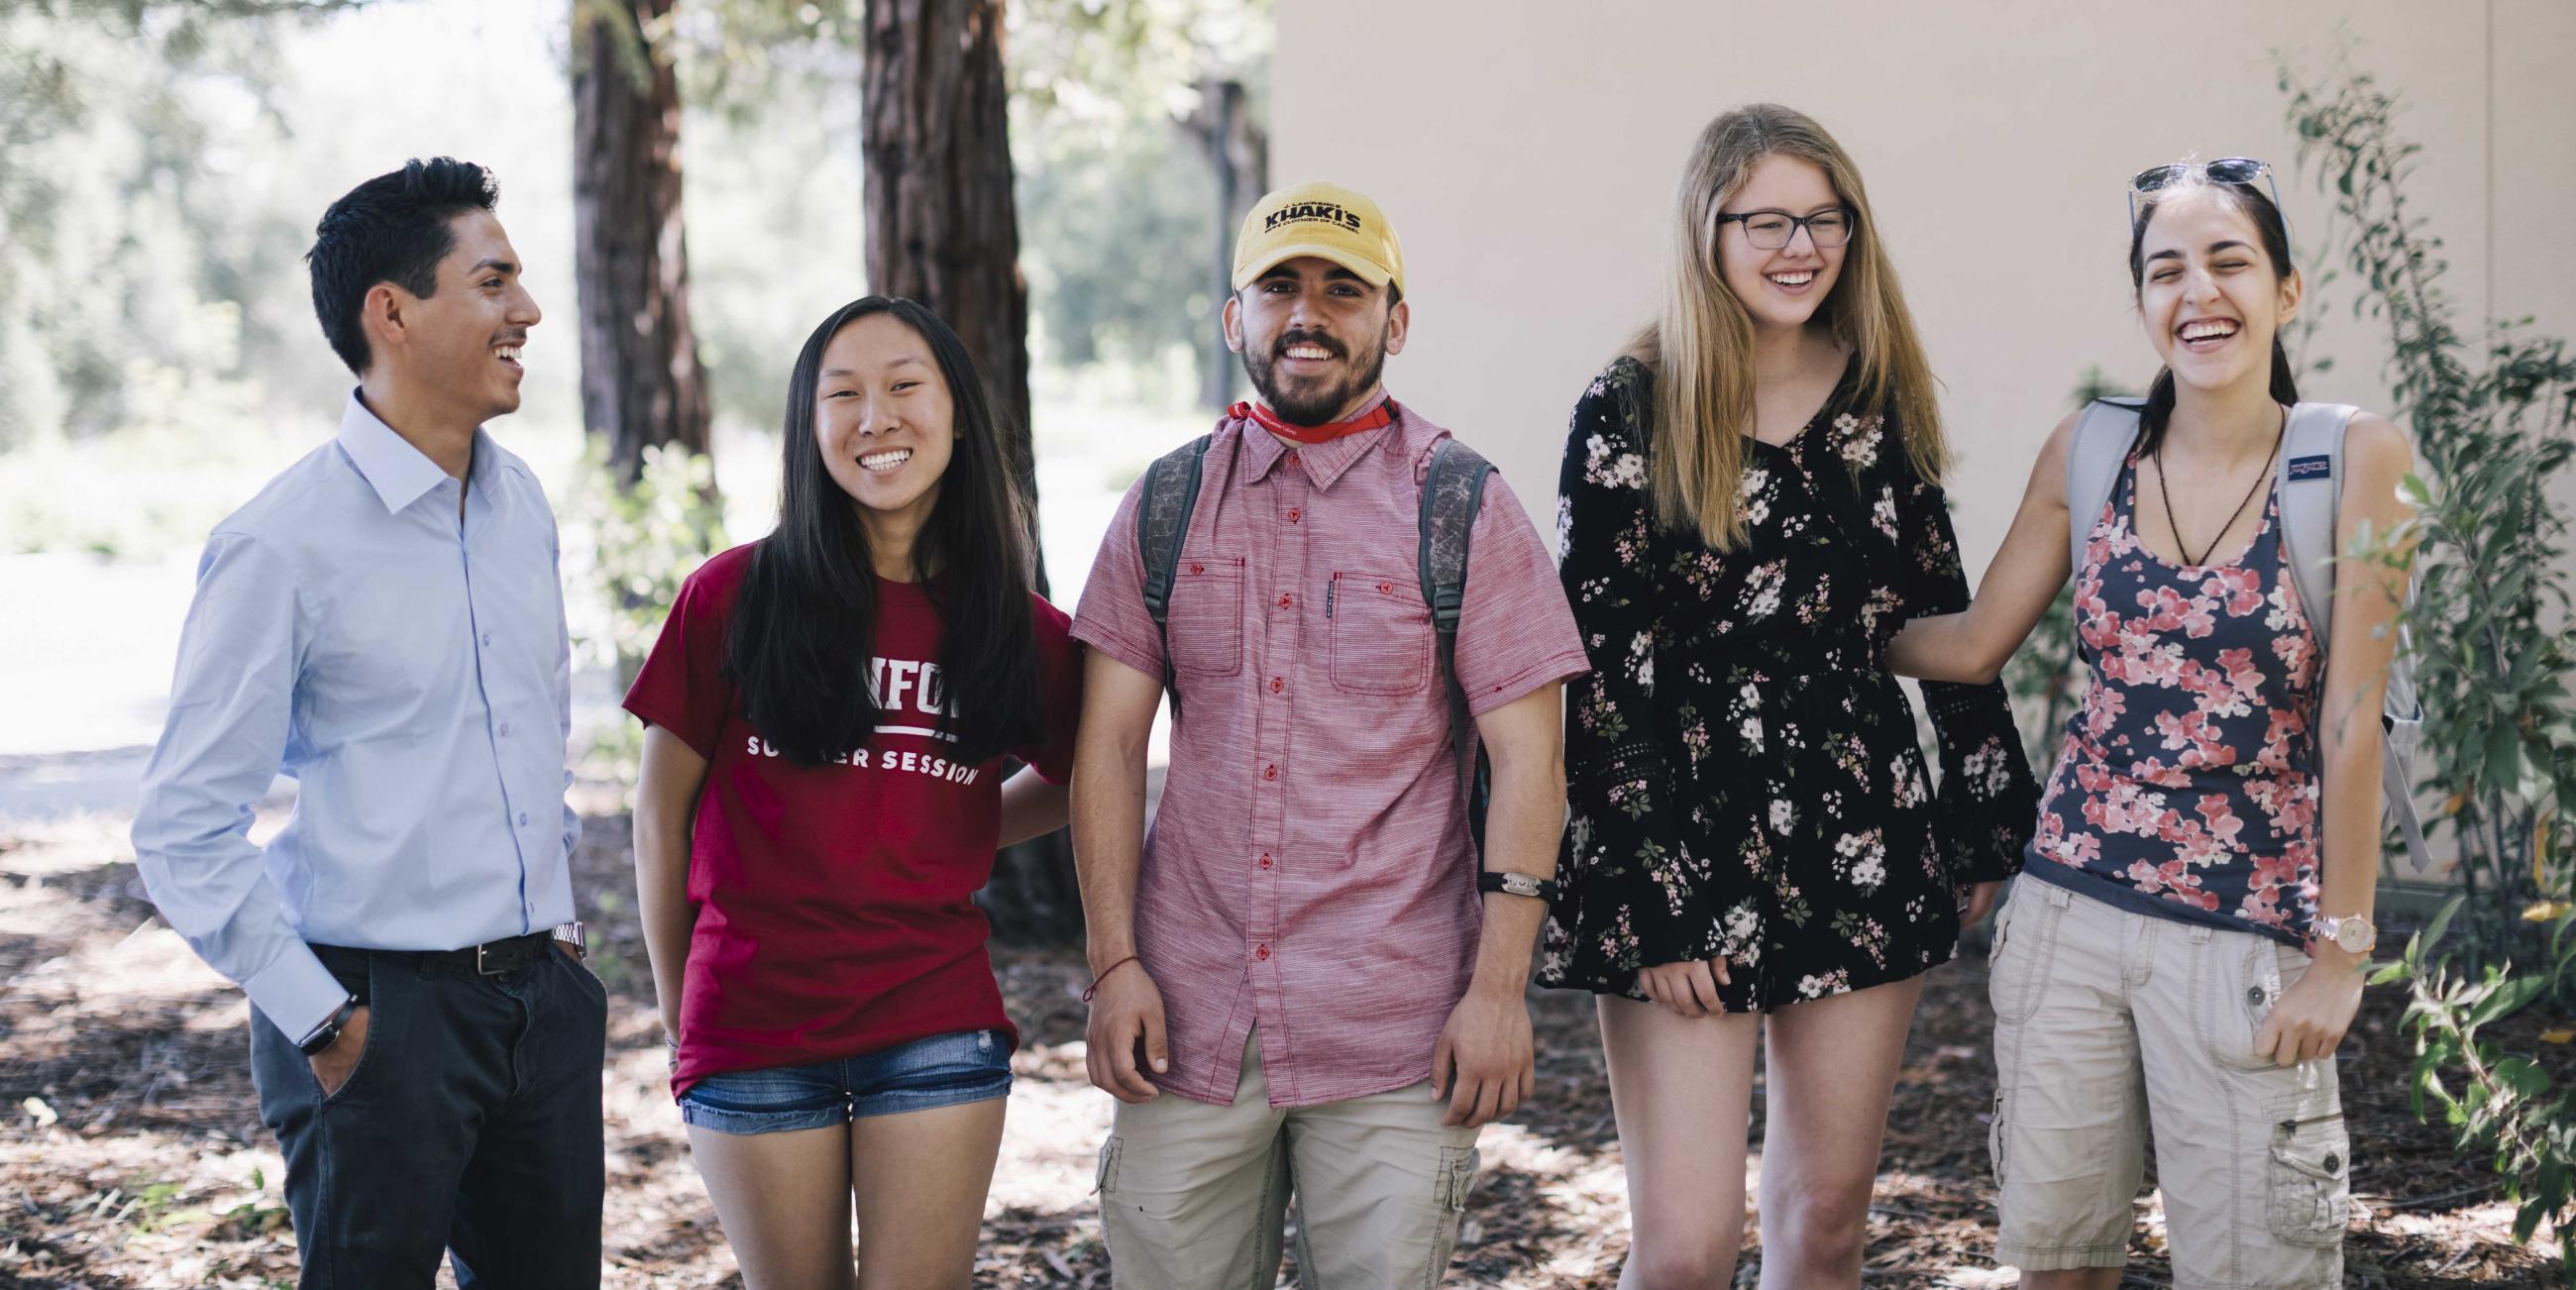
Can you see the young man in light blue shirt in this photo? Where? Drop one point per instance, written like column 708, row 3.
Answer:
column 384, row 622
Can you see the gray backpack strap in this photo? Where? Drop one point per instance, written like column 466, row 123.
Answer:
column 1453, row 489
column 2310, row 484
column 2100, row 448
column 1171, row 493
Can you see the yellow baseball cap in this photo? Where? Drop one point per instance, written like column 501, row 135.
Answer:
column 1323, row 220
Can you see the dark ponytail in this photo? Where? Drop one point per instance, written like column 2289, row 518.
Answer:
column 2275, row 233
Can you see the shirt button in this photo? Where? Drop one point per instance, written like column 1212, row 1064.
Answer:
column 1293, row 459
column 523, row 819
column 1261, row 951
column 1265, row 862
column 1277, row 684
column 1270, row 772
column 505, row 727
column 1295, row 515
column 1283, row 600
column 1196, row 567
column 487, row 640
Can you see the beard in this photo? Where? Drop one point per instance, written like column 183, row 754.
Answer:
column 1312, row 401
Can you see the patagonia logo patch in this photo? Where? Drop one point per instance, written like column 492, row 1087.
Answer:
column 2311, row 468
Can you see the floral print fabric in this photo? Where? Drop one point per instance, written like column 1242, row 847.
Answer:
column 1743, row 771
column 2186, row 782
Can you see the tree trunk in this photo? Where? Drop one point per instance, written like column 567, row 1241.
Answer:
column 943, row 229
column 640, row 380
column 1238, row 151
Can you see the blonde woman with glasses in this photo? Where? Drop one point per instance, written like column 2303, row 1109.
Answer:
column 1751, row 509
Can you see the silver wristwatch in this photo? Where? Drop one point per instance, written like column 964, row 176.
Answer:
column 2351, row 933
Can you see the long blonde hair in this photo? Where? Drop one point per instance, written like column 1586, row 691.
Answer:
column 1700, row 347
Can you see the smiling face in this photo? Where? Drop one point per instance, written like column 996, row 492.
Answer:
column 884, row 418
column 1781, row 288
column 461, row 343
column 1314, row 336
column 2209, row 292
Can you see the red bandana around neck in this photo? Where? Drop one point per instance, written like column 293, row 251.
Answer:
column 1382, row 414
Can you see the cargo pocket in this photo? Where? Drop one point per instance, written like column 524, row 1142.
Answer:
column 1105, row 1182
column 1996, row 1138
column 1456, row 1179
column 2311, row 1195
column 2245, row 978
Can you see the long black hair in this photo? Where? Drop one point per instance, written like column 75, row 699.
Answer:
column 2276, row 244
column 799, row 648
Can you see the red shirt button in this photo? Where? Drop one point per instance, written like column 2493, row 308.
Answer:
column 1294, row 514
column 1277, row 684
column 1292, row 457
column 1270, row 772
column 1196, row 567
column 1265, row 862
column 1386, row 588
column 1261, row 951
column 1283, row 600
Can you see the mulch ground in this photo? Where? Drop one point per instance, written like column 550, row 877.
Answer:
column 131, row 1153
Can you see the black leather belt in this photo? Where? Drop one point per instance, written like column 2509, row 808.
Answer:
column 491, row 958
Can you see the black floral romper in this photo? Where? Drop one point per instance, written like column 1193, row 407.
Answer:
column 1744, row 772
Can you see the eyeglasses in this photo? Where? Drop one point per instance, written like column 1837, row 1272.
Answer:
column 1772, row 230
column 2225, row 170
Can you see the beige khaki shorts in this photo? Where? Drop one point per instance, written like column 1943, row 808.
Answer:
column 1195, row 1197
column 2108, row 1023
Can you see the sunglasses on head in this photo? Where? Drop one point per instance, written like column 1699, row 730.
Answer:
column 2225, row 170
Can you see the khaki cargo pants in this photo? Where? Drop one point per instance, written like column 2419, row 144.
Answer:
column 1195, row 1197
column 2108, row 1022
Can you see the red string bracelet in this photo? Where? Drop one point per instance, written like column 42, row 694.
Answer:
column 1094, row 987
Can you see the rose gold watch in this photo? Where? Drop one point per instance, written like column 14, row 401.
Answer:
column 2351, row 933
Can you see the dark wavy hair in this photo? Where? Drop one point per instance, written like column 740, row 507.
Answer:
column 804, row 624
column 2275, row 235
column 392, row 228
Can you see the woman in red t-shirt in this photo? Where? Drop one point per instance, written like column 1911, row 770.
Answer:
column 828, row 715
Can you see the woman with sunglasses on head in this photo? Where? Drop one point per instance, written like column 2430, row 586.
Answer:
column 1757, row 854
column 2187, row 947
column 830, row 712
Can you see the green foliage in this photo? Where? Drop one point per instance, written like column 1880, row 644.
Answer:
column 2494, row 423
column 645, row 541
column 127, row 258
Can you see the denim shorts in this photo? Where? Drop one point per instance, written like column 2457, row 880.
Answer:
column 943, row 1070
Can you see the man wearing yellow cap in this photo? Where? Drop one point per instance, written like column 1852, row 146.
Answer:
column 1307, row 983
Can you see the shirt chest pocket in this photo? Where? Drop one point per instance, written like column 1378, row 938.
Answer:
column 1381, row 634
column 1204, row 627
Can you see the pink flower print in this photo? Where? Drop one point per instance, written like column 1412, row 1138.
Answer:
column 2240, row 588
column 2221, row 817
column 2164, row 608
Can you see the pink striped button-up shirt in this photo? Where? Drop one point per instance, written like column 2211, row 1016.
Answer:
column 1309, row 870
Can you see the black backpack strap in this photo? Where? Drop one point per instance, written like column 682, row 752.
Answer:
column 1171, row 493
column 1452, row 491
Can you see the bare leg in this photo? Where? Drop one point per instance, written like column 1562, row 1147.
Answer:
column 1683, row 1091
column 1832, row 1066
column 784, row 1201
column 920, row 1178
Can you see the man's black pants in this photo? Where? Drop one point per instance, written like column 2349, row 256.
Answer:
column 471, row 1124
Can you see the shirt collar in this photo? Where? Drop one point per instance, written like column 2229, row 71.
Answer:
column 399, row 472
column 1324, row 462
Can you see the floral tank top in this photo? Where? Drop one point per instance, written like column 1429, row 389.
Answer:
column 2187, row 785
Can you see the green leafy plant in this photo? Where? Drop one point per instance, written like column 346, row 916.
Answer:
column 632, row 548
column 2494, row 424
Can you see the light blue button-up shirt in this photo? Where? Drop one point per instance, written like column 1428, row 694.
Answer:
column 412, row 673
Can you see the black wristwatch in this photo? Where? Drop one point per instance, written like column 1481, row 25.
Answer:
column 1518, row 884
column 328, row 1033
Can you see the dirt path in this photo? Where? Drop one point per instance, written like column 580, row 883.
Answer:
column 131, row 1153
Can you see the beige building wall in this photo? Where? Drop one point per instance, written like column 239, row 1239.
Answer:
column 1526, row 151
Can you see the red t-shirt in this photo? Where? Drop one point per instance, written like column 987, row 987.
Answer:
column 835, row 902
